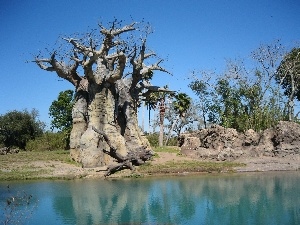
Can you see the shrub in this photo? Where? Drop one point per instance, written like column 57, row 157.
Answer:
column 18, row 127
column 153, row 140
column 49, row 141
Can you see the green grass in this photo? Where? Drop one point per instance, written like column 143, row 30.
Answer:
column 185, row 166
column 20, row 166
column 29, row 156
column 188, row 166
column 23, row 174
column 170, row 149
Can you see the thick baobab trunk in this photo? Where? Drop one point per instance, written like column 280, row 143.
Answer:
column 111, row 114
column 101, row 114
column 127, row 117
column 80, row 123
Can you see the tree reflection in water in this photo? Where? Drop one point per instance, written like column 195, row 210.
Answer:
column 256, row 198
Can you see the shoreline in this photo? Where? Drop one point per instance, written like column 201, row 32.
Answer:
column 56, row 170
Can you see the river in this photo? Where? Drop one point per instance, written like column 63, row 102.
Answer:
column 246, row 198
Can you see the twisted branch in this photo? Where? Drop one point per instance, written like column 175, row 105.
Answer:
column 133, row 158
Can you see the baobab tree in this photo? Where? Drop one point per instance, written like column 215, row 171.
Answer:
column 111, row 75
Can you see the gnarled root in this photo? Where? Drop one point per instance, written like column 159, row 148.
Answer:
column 134, row 158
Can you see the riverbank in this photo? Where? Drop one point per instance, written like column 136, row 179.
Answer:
column 57, row 165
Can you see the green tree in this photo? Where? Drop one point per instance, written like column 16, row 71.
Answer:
column 61, row 113
column 181, row 104
column 202, row 89
column 288, row 76
column 158, row 100
column 230, row 99
column 242, row 105
column 179, row 108
column 18, row 127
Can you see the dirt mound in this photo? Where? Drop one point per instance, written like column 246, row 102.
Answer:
column 219, row 143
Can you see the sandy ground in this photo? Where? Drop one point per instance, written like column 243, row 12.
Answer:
column 287, row 163
column 262, row 164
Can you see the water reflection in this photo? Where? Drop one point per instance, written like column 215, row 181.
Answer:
column 230, row 199
column 100, row 202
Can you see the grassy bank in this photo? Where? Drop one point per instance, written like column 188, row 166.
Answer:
column 23, row 165
column 41, row 164
column 188, row 167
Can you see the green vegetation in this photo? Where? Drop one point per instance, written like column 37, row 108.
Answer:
column 181, row 104
column 61, row 114
column 188, row 166
column 288, row 76
column 153, row 140
column 184, row 166
column 47, row 142
column 22, row 166
column 244, row 98
column 31, row 165
column 170, row 149
column 18, row 127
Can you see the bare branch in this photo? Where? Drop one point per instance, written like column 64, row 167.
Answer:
column 87, row 52
column 113, row 32
column 78, row 46
column 135, row 157
column 148, row 55
column 40, row 63
column 151, row 88
column 67, row 72
column 155, row 66
column 118, row 72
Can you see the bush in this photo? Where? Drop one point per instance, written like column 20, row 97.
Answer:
column 18, row 127
column 49, row 141
column 153, row 140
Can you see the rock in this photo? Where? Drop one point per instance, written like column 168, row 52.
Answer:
column 8, row 150
column 251, row 138
column 219, row 143
column 266, row 143
column 229, row 154
column 287, row 139
column 216, row 142
column 4, row 151
column 190, row 144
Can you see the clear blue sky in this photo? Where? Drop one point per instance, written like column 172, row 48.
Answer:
column 191, row 34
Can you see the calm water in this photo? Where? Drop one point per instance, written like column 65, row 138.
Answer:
column 272, row 198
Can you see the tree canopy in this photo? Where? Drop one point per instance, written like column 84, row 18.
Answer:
column 61, row 111
column 18, row 127
column 61, row 114
column 288, row 76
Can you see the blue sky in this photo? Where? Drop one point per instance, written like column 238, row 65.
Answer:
column 190, row 34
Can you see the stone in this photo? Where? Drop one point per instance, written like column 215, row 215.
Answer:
column 287, row 139
column 8, row 150
column 221, row 144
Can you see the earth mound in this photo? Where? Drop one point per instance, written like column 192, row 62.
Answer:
column 221, row 144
